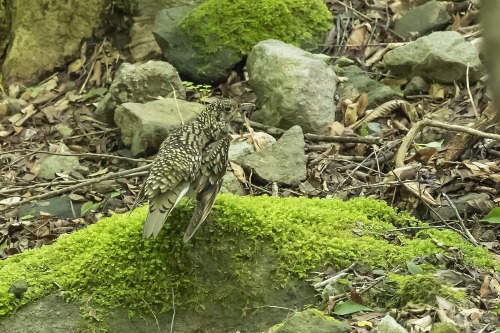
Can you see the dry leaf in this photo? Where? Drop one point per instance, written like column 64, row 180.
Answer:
column 98, row 173
column 238, row 172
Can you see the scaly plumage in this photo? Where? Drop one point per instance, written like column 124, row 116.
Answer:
column 191, row 162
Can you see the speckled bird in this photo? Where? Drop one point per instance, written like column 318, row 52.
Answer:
column 191, row 162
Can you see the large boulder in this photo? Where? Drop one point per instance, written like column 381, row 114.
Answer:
column 204, row 44
column 283, row 162
column 145, row 126
column 293, row 86
column 143, row 44
column 45, row 34
column 140, row 84
column 423, row 19
column 442, row 57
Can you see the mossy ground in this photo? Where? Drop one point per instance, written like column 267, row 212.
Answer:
column 250, row 245
column 242, row 24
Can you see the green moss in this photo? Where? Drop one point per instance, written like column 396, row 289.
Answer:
column 421, row 288
column 245, row 240
column 242, row 24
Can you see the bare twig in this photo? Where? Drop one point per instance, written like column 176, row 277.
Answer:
column 340, row 274
column 309, row 136
column 94, row 155
column 448, row 226
column 112, row 175
column 94, row 58
column 407, row 141
column 173, row 315
column 460, row 220
column 470, row 93
column 177, row 104
column 154, row 315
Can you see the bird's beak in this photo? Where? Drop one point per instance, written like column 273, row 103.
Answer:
column 243, row 105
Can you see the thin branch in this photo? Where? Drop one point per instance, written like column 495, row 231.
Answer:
column 470, row 93
column 309, row 136
column 340, row 274
column 154, row 315
column 173, row 315
column 419, row 126
column 71, row 188
column 460, row 220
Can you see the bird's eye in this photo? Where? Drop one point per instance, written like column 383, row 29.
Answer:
column 228, row 108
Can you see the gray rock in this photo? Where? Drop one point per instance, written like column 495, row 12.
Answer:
column 488, row 236
column 360, row 82
column 56, row 163
column 231, row 184
column 390, row 325
column 13, row 105
column 64, row 130
column 239, row 148
column 293, row 87
column 146, row 125
column 140, row 84
column 59, row 207
column 14, row 90
column 447, row 213
column 313, row 321
column 18, row 288
column 54, row 30
column 422, row 20
column 49, row 315
column 373, row 128
column 193, row 63
column 283, row 162
column 441, row 57
column 416, row 86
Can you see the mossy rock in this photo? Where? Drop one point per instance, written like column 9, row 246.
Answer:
column 251, row 253
column 311, row 321
column 215, row 36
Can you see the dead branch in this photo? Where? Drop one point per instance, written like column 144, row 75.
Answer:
column 112, row 175
column 311, row 137
column 410, row 136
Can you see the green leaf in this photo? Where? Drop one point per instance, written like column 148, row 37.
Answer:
column 90, row 206
column 348, row 308
column 414, row 269
column 493, row 216
column 435, row 144
column 27, row 217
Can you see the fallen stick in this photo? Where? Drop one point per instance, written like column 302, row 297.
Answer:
column 112, row 175
column 410, row 136
column 311, row 137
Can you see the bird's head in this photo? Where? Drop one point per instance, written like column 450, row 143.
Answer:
column 225, row 109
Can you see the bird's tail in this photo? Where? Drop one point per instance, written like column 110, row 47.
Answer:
column 160, row 207
column 204, row 202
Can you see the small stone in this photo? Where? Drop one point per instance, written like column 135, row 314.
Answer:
column 416, row 86
column 390, row 325
column 14, row 90
column 57, row 163
column 231, row 184
column 287, row 153
column 373, row 128
column 488, row 236
column 18, row 288
column 64, row 130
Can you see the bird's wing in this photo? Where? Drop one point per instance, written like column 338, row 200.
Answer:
column 169, row 180
column 204, row 202
column 213, row 169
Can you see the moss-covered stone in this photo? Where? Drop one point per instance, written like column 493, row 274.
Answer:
column 311, row 321
column 241, row 24
column 251, row 248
